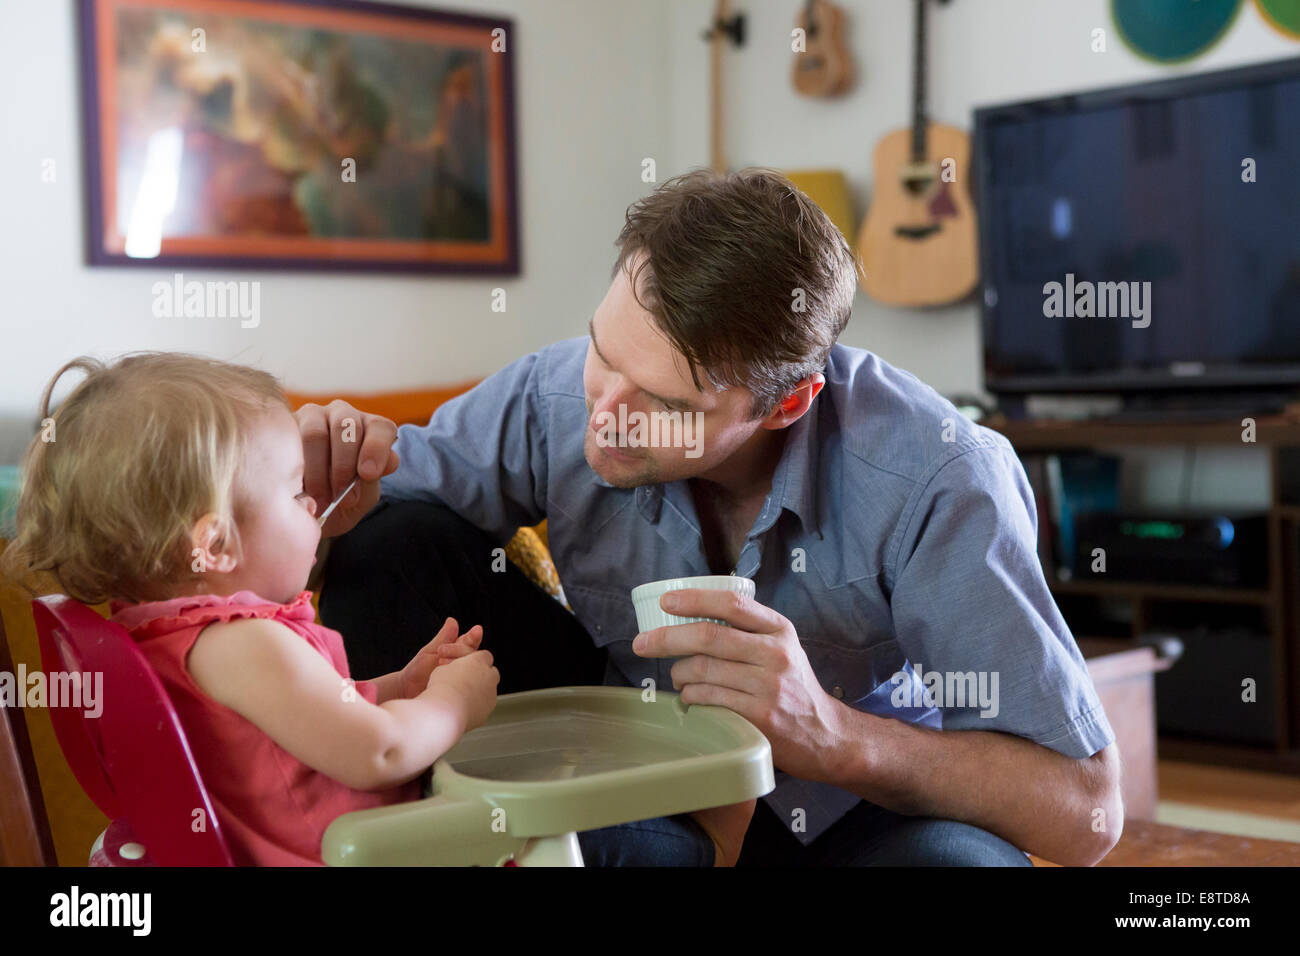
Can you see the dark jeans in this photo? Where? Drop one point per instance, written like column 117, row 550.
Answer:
column 867, row 835
column 390, row 583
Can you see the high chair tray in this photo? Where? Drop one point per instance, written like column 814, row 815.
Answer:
column 562, row 760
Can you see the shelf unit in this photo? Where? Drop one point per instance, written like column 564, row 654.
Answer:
column 1277, row 603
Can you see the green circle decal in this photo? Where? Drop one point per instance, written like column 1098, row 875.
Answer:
column 1172, row 30
column 1283, row 15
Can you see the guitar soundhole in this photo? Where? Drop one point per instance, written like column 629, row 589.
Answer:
column 918, row 185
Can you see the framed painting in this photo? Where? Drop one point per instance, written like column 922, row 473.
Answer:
column 299, row 134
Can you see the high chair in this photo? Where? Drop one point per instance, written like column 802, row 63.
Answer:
column 133, row 760
column 546, row 765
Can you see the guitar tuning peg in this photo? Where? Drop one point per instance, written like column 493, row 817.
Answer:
column 733, row 28
column 737, row 28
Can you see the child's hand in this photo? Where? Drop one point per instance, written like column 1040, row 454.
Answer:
column 444, row 647
column 473, row 680
column 468, row 643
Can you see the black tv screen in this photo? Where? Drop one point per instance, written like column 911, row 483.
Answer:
column 1143, row 237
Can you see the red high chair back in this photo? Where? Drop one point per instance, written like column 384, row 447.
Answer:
column 133, row 759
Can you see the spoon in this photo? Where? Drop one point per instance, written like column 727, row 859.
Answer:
column 335, row 503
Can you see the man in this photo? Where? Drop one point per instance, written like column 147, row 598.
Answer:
column 891, row 541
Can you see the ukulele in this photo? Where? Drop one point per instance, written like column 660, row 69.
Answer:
column 823, row 68
column 918, row 243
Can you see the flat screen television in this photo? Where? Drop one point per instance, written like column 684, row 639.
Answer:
column 1144, row 237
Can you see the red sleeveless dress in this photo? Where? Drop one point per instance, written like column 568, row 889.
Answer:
column 272, row 807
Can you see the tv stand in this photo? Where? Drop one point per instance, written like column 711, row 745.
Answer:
column 1276, row 605
column 1159, row 408
column 1200, row 407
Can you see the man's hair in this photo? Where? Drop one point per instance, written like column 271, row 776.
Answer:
column 140, row 450
column 726, row 264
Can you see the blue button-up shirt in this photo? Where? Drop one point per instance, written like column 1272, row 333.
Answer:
column 898, row 537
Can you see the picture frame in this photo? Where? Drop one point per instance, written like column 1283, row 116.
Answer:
column 299, row 134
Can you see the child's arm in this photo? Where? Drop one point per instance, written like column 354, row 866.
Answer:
column 269, row 675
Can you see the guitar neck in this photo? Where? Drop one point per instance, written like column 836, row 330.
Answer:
column 720, row 16
column 919, row 120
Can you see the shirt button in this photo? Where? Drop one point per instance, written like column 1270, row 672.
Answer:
column 838, row 692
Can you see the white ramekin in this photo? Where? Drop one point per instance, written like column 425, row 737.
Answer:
column 645, row 597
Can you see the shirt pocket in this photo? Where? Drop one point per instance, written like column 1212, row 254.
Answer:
column 606, row 613
column 876, row 680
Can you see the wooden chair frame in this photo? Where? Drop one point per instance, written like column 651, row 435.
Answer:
column 25, row 838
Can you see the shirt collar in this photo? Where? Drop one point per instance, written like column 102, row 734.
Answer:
column 794, row 484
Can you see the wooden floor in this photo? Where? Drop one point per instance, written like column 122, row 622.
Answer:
column 1224, row 788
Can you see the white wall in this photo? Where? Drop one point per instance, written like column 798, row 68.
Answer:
column 589, row 75
column 601, row 84
column 981, row 52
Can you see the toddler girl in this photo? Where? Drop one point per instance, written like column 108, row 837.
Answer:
column 172, row 484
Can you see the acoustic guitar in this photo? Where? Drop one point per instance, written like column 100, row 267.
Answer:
column 918, row 243
column 824, row 67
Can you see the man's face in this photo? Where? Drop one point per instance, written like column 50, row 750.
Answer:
column 631, row 363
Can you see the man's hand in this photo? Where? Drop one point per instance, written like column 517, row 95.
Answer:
column 445, row 647
column 338, row 444
column 756, row 667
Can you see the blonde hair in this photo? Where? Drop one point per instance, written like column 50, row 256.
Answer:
column 130, row 460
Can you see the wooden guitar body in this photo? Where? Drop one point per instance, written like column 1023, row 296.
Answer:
column 918, row 244
column 825, row 68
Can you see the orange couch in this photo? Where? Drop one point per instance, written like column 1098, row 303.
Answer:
column 413, row 407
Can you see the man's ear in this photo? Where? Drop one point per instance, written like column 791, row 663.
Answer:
column 790, row 409
column 210, row 545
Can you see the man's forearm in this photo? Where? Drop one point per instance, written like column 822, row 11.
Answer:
column 1039, row 800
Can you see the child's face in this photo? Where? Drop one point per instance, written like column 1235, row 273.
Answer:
column 278, row 532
